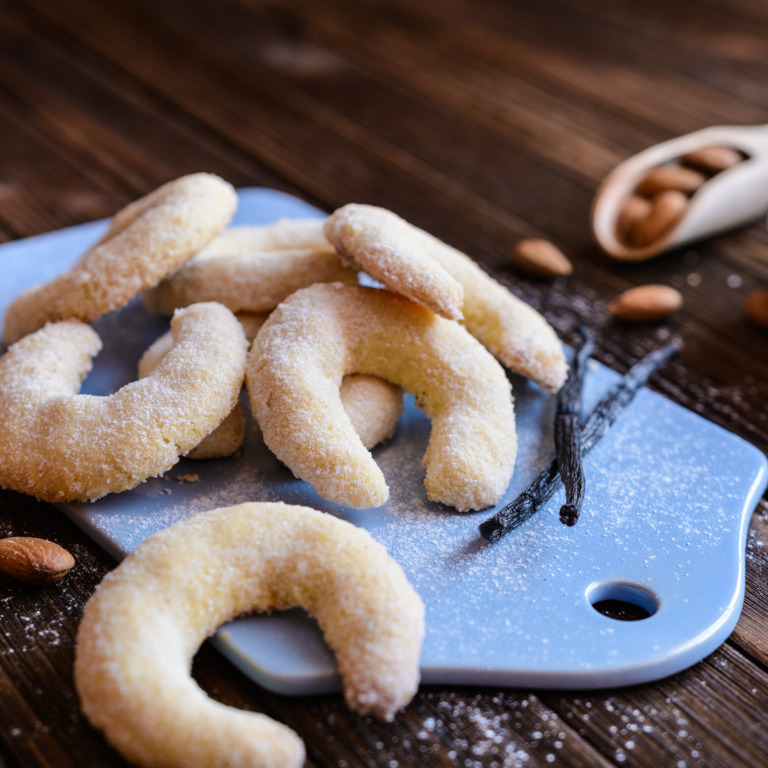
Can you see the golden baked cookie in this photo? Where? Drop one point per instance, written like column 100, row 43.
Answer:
column 146, row 241
column 148, row 617
column 59, row 446
column 324, row 332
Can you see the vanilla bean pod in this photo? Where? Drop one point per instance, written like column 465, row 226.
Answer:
column 597, row 424
column 568, row 432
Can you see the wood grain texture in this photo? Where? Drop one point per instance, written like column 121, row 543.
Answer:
column 483, row 122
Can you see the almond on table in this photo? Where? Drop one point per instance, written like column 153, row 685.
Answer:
column 756, row 307
column 645, row 303
column 541, row 258
column 34, row 561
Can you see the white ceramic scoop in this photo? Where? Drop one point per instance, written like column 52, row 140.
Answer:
column 729, row 199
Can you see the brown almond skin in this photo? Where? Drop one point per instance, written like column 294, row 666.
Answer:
column 665, row 177
column 646, row 303
column 713, row 159
column 756, row 307
column 667, row 210
column 34, row 561
column 634, row 210
column 541, row 258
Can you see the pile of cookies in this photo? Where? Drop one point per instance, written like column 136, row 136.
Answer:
column 279, row 308
column 326, row 362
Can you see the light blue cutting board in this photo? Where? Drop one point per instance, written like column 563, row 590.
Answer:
column 669, row 497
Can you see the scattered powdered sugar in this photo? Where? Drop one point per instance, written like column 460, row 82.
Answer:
column 666, row 496
column 504, row 730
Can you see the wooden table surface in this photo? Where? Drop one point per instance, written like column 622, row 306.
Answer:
column 482, row 121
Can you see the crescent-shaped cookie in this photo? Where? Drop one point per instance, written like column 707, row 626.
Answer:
column 148, row 617
column 146, row 241
column 253, row 268
column 397, row 253
column 322, row 333
column 392, row 251
column 373, row 405
column 60, row 446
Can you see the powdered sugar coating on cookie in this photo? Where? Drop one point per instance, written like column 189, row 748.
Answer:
column 60, row 446
column 375, row 239
column 390, row 250
column 146, row 241
column 146, row 620
column 319, row 334
column 510, row 328
column 373, row 404
column 253, row 268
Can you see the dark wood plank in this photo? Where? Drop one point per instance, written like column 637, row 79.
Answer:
column 87, row 121
column 751, row 632
column 310, row 138
column 40, row 723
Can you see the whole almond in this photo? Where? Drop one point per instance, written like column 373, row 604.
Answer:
column 664, row 177
column 541, row 258
column 646, row 303
column 34, row 561
column 756, row 307
column 667, row 210
column 712, row 159
column 633, row 210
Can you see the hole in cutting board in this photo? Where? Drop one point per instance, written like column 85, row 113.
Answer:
column 622, row 601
